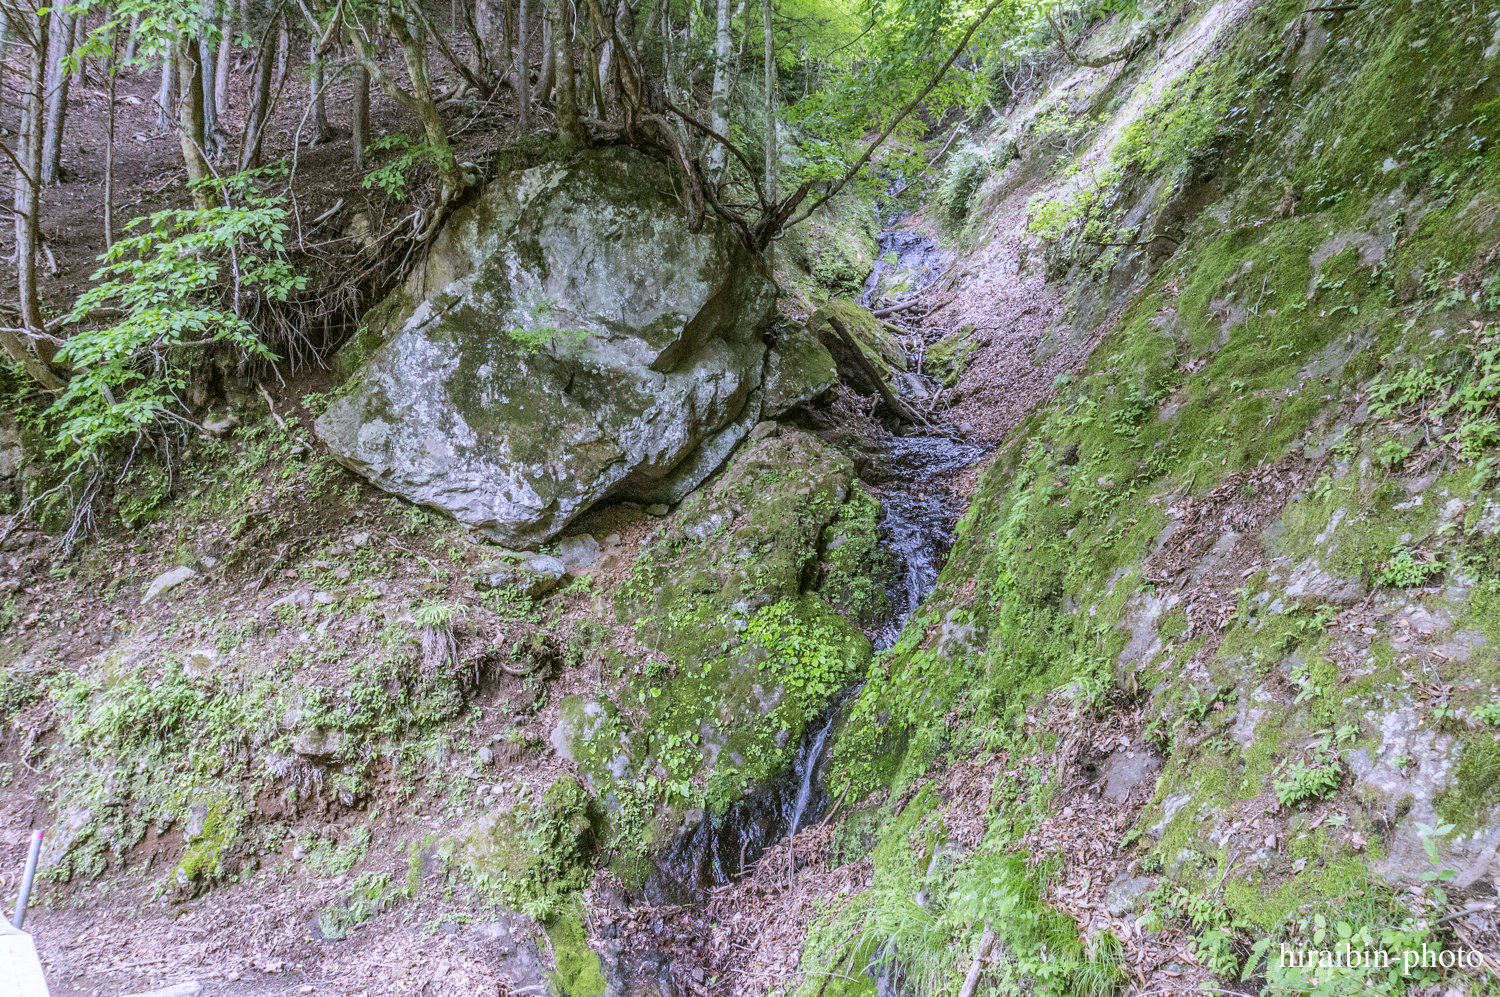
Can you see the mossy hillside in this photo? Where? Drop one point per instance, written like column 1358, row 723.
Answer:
column 726, row 594
column 248, row 698
column 831, row 254
column 1261, row 342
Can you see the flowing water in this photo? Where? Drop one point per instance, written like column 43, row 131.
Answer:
column 917, row 515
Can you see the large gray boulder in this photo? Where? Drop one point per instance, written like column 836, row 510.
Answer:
column 568, row 339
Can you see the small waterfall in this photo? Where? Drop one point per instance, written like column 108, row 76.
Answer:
column 805, row 767
column 917, row 512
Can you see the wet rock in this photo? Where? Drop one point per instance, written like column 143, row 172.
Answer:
column 297, row 599
column 947, row 357
column 1310, row 584
column 165, row 581
column 197, row 817
column 508, row 945
column 533, row 577
column 543, row 359
column 318, row 743
column 1127, row 771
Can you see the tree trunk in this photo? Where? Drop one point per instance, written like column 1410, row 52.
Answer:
column 361, row 115
column 166, row 93
column 413, row 42
column 221, row 68
column 207, row 77
column 58, row 81
column 27, row 200
column 109, row 149
column 190, row 120
column 283, row 52
column 719, row 101
column 770, row 43
column 321, row 132
column 544, row 85
column 565, row 101
column 130, row 43
column 523, row 64
column 260, row 101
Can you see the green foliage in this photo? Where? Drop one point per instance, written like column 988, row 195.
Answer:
column 1314, row 774
column 1459, row 402
column 394, row 177
column 1408, row 567
column 184, row 281
column 966, row 170
column 806, row 654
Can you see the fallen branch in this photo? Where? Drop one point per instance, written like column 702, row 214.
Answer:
column 898, row 307
column 986, row 942
column 895, row 404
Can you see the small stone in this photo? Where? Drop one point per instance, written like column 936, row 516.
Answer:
column 165, row 581
column 359, row 540
column 579, row 553
column 322, row 598
column 208, row 562
column 1270, row 841
column 305, row 990
column 486, row 756
column 613, row 540
column 658, row 510
column 1067, row 811
column 763, row 430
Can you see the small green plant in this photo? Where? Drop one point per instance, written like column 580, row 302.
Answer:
column 394, row 178
column 1489, row 713
column 1313, row 775
column 1390, row 454
column 1408, row 567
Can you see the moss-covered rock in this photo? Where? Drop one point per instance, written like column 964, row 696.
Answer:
column 726, row 591
column 798, row 368
column 947, row 357
column 872, row 337
column 545, row 359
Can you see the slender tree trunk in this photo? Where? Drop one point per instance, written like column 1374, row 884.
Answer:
column 109, row 149
column 260, row 100
column 361, row 115
column 166, row 93
column 283, row 52
column 321, row 131
column 523, row 64
column 58, row 81
column 544, row 84
column 190, row 120
column 221, row 68
column 413, row 40
column 207, row 79
column 770, row 43
column 80, row 71
column 130, row 43
column 565, row 102
column 719, row 101
column 27, row 200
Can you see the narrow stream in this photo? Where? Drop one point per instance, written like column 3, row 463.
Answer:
column 918, row 511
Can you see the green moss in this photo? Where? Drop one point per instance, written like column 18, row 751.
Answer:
column 1470, row 800
column 578, row 973
column 202, row 862
column 859, row 568
column 947, row 357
